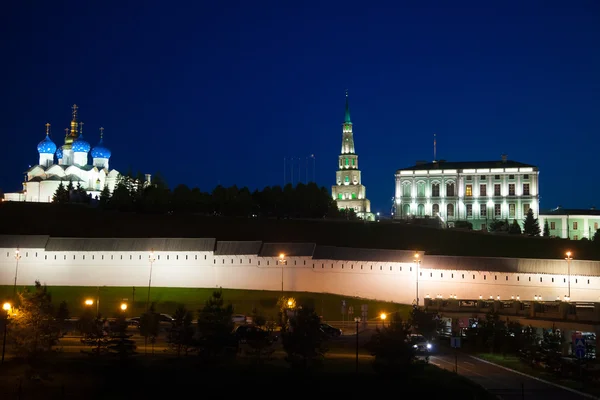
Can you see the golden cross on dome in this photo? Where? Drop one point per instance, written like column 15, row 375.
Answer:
column 67, row 131
column 74, row 108
column 101, row 132
column 47, row 128
column 80, row 127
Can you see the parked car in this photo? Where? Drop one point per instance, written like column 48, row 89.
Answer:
column 245, row 333
column 330, row 331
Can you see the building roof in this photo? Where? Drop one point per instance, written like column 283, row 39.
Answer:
column 511, row 265
column 288, row 249
column 23, row 241
column 130, row 244
column 352, row 254
column 571, row 211
column 226, row 248
column 442, row 164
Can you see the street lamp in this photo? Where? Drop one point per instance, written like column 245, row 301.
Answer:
column 569, row 258
column 418, row 262
column 151, row 259
column 6, row 307
column 123, row 307
column 282, row 262
column 17, row 257
column 89, row 302
column 383, row 316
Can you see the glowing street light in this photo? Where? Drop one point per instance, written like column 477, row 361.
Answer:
column 123, row 306
column 89, row 302
column 383, row 316
column 568, row 258
column 6, row 307
column 282, row 262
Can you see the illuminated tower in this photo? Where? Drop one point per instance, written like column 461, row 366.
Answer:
column 70, row 137
column 349, row 192
column 46, row 148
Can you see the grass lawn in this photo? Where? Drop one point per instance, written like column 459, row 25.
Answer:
column 243, row 301
column 513, row 362
column 80, row 376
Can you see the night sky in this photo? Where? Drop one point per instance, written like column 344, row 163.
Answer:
column 220, row 92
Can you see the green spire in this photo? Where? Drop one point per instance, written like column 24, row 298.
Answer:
column 347, row 114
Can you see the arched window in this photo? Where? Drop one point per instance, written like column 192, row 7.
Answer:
column 406, row 190
column 421, row 189
column 347, row 179
column 406, row 209
column 420, row 210
column 435, row 209
column 450, row 189
column 435, row 190
column 450, row 210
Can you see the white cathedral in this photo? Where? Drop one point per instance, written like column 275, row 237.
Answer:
column 68, row 163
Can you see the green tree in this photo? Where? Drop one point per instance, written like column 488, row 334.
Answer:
column 104, row 197
column 120, row 343
column 498, row 225
column 423, row 322
column 61, row 196
column 303, row 340
column 391, row 348
column 515, row 228
column 33, row 328
column 596, row 237
column 94, row 334
column 149, row 326
column 546, row 229
column 215, row 328
column 70, row 191
column 531, row 225
column 181, row 335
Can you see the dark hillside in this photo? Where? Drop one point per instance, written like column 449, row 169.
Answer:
column 81, row 221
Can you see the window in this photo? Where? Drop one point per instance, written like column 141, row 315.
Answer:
column 469, row 191
column 497, row 177
column 435, row 190
column 406, row 190
column 511, row 189
column 421, row 210
column 346, row 162
column 353, row 195
column 511, row 177
column 469, row 178
column 450, row 210
column 497, row 210
column 469, row 210
column 526, row 189
column 483, row 178
column 347, row 179
column 340, row 196
column 421, row 189
column 511, row 210
column 435, row 209
column 552, row 225
column 575, row 225
column 497, row 189
column 450, row 189
column 482, row 210
column 482, row 191
column 526, row 176
column 353, row 161
column 525, row 208
column 595, row 226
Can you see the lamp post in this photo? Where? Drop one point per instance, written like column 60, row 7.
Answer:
column 418, row 262
column 383, row 316
column 151, row 259
column 569, row 258
column 282, row 262
column 6, row 307
column 17, row 257
column 357, row 321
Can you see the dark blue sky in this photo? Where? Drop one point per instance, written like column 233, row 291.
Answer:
column 213, row 92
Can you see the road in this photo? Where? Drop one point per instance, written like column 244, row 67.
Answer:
column 505, row 384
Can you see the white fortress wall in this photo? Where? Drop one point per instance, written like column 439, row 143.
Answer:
column 378, row 274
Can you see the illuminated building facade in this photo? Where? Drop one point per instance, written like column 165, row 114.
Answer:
column 67, row 164
column 349, row 192
column 569, row 223
column 477, row 192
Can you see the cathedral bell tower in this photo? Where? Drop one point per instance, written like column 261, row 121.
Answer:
column 349, row 192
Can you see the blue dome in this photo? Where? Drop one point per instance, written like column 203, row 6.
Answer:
column 100, row 151
column 59, row 153
column 46, row 146
column 80, row 145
